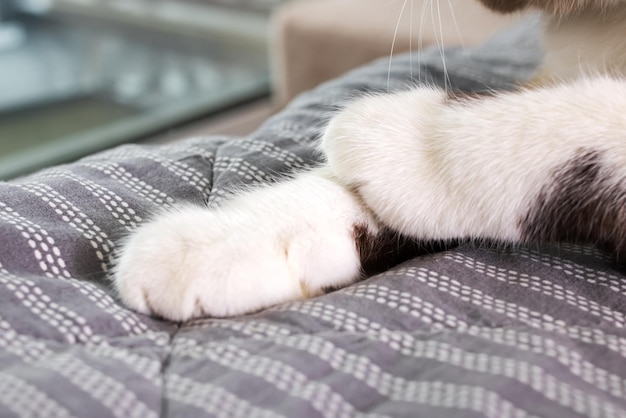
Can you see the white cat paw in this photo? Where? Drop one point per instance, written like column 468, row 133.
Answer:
column 272, row 245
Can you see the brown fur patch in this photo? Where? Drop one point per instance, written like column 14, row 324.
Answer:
column 582, row 203
column 380, row 252
column 554, row 7
column 461, row 97
column 505, row 6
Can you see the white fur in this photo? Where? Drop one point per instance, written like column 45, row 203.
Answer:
column 420, row 164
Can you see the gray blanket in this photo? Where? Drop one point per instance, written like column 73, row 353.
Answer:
column 471, row 331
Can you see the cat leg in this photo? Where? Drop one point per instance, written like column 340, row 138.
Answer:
column 274, row 244
column 394, row 152
column 535, row 165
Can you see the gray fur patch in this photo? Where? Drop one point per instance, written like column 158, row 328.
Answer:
column 505, row 6
column 461, row 97
column 582, row 203
column 379, row 252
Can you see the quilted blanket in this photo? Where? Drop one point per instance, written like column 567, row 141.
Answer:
column 473, row 331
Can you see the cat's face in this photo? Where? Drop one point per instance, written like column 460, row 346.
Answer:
column 560, row 7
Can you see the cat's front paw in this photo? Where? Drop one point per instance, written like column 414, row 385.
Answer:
column 276, row 244
column 379, row 147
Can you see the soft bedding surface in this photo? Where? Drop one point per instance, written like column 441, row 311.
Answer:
column 471, row 331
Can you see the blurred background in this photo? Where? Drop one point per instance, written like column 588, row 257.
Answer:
column 78, row 76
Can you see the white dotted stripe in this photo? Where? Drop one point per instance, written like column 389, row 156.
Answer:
column 365, row 370
column 212, row 399
column 529, row 374
column 147, row 366
column 178, row 150
column 407, row 303
column 468, row 294
column 45, row 249
column 537, row 284
column 194, row 149
column 533, row 318
column 114, row 204
column 36, row 353
column 112, row 394
column 297, row 132
column 333, row 316
column 285, row 378
column 247, row 327
column 70, row 325
column 589, row 275
column 600, row 378
column 438, row 394
column 158, row 338
column 574, row 361
column 26, row 400
column 522, row 340
column 185, row 172
column 31, row 350
column 188, row 174
column 242, row 168
column 268, row 149
column 586, row 250
column 140, row 187
column 78, row 220
column 347, row 320
column 27, row 349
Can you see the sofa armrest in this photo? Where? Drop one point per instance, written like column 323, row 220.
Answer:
column 316, row 40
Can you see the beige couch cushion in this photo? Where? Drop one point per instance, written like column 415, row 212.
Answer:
column 317, row 40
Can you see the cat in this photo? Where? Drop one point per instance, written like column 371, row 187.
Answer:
column 539, row 164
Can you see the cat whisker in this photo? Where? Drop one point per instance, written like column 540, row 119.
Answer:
column 420, row 45
column 393, row 43
column 440, row 43
column 411, row 42
column 456, row 24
